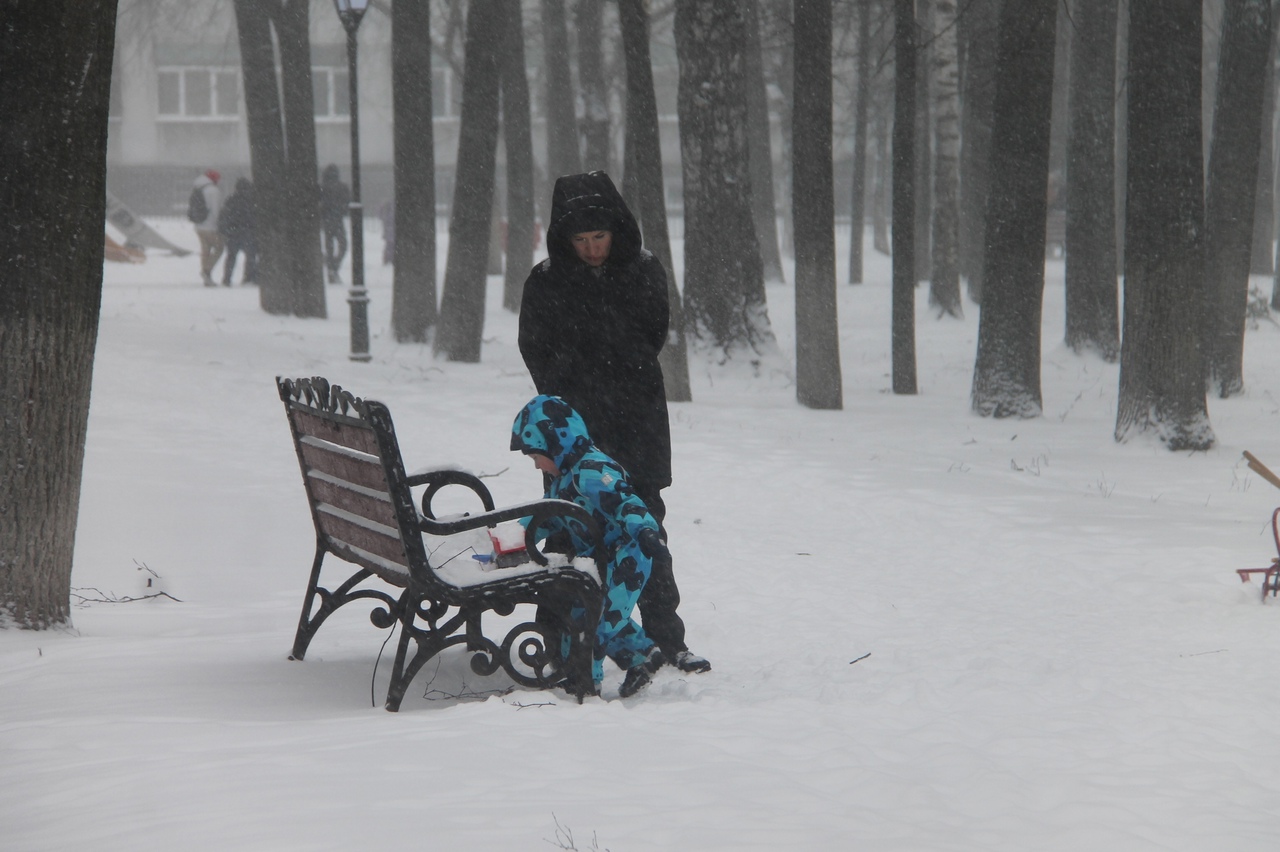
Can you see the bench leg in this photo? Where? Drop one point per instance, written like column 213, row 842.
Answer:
column 308, row 624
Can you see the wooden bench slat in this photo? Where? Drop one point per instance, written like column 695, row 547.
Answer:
column 354, row 435
column 345, row 527
column 360, row 470
column 365, row 502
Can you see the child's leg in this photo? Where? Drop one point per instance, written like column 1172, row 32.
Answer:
column 618, row 637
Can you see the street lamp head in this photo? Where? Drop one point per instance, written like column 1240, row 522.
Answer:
column 351, row 12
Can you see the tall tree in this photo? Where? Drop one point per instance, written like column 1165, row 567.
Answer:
column 979, row 27
column 1264, row 211
column 1093, row 321
column 760, row 149
column 562, row 131
column 924, row 142
column 55, row 61
column 944, row 278
column 466, row 266
column 594, row 86
column 903, row 318
column 724, row 276
column 818, row 379
column 1162, row 390
column 1006, row 378
column 861, row 107
column 282, row 149
column 1232, row 184
column 644, row 156
column 517, row 136
column 413, row 298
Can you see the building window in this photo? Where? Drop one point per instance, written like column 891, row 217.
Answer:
column 332, row 93
column 198, row 94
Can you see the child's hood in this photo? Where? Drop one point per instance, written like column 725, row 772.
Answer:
column 548, row 425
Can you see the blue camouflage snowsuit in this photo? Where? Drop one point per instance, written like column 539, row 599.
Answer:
column 593, row 480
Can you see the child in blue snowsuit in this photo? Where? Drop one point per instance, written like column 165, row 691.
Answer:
column 555, row 437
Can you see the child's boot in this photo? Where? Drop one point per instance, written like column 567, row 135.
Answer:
column 639, row 675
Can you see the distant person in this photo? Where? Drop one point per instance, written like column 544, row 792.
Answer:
column 335, row 200
column 203, row 209
column 592, row 321
column 237, row 226
column 387, row 213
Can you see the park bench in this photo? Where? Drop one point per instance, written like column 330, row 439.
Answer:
column 364, row 511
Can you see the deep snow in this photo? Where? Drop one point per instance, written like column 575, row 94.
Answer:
column 930, row 631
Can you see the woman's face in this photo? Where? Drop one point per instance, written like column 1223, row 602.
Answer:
column 592, row 246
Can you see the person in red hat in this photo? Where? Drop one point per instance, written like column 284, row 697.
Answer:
column 203, row 208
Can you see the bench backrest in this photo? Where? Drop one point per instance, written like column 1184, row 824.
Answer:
column 355, row 480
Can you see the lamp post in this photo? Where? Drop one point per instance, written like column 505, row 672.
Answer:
column 350, row 12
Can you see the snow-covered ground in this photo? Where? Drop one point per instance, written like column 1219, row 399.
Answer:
column 930, row 631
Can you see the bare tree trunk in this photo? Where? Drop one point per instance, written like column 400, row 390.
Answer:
column 724, row 277
column 760, row 148
column 517, row 135
column 462, row 304
column 818, row 378
column 1161, row 370
column 1264, row 211
column 979, row 29
column 1232, row 185
column 924, row 143
column 644, row 153
column 562, row 131
column 904, row 198
column 1006, row 378
column 595, row 90
column 300, row 194
column 858, row 201
column 413, row 298
column 55, row 61
column 944, row 282
column 1093, row 321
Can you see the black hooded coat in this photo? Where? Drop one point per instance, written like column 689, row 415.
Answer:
column 592, row 335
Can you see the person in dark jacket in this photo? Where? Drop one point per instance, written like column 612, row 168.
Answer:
column 237, row 226
column 550, row 432
column 335, row 199
column 593, row 319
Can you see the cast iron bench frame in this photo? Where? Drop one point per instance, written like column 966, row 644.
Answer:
column 363, row 509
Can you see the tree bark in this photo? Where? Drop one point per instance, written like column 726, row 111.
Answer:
column 904, row 198
column 562, row 131
column 862, row 99
column 462, row 304
column 979, row 29
column 760, row 148
column 944, row 282
column 724, row 276
column 1006, row 379
column 299, row 191
column 644, row 153
column 595, row 90
column 413, row 299
column 517, row 136
column 1232, row 187
column 1093, row 322
column 818, row 378
column 1162, row 389
column 55, row 61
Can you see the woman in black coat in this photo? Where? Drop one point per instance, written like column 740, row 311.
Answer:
column 593, row 319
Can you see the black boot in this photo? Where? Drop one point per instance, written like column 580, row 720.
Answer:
column 638, row 676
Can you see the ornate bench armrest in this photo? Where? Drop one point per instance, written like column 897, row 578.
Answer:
column 435, row 480
column 539, row 511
